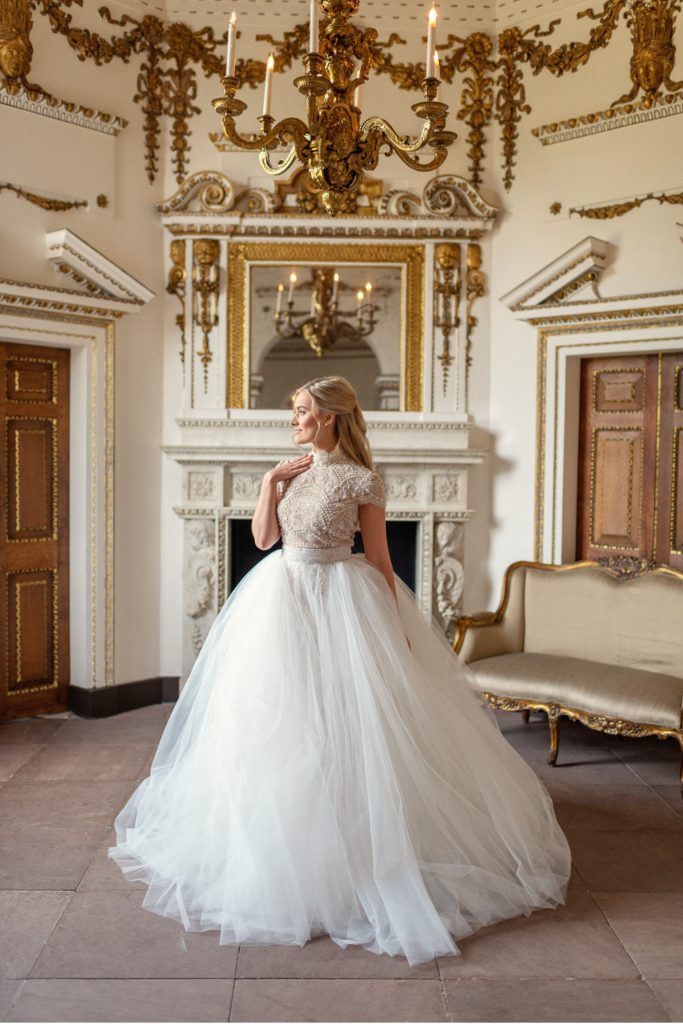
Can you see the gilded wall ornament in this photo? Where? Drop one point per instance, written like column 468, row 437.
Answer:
column 652, row 24
column 475, row 288
column 44, row 202
column 176, row 285
column 205, row 256
column 611, row 210
column 446, row 301
column 16, row 50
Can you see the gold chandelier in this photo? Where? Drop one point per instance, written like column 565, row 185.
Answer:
column 334, row 145
column 325, row 323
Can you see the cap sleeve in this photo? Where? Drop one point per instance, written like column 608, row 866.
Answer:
column 372, row 490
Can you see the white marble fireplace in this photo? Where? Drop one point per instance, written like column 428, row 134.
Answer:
column 221, row 239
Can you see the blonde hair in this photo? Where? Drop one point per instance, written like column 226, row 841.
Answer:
column 336, row 395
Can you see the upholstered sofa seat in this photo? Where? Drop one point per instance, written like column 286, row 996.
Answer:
column 602, row 644
column 592, row 685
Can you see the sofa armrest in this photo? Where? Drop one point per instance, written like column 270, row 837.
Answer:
column 481, row 636
column 489, row 634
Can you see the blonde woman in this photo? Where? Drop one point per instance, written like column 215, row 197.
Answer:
column 327, row 768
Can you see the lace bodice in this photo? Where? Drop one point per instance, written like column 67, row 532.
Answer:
column 319, row 508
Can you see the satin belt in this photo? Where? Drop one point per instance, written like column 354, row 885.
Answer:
column 315, row 555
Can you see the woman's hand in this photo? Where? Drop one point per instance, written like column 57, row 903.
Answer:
column 265, row 528
column 288, row 468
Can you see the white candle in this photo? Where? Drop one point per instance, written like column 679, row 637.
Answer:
column 437, row 72
column 269, row 84
column 278, row 306
column 335, row 286
column 356, row 96
column 431, row 42
column 313, row 28
column 292, row 282
column 232, row 36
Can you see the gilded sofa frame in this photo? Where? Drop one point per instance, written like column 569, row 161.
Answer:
column 623, row 568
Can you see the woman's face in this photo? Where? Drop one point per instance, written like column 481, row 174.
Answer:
column 303, row 421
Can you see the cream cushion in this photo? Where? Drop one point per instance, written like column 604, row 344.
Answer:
column 584, row 613
column 615, row 691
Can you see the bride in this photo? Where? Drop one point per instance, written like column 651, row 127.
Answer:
column 328, row 768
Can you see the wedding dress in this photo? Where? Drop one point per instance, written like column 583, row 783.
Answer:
column 319, row 775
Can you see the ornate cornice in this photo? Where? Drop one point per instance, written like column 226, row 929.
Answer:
column 577, row 268
column 608, row 120
column 36, row 102
column 100, row 275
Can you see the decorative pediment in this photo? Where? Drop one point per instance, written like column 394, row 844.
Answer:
column 97, row 275
column 575, row 271
column 447, row 200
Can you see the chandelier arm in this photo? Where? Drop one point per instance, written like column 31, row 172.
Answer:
column 289, row 128
column 264, row 161
column 415, row 165
column 377, row 125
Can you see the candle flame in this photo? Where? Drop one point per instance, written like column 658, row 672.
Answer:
column 270, row 64
column 368, row 286
column 336, row 276
column 233, row 18
column 360, row 295
column 292, row 278
column 281, row 287
column 432, row 15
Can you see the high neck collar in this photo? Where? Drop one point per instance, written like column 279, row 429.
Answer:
column 323, row 458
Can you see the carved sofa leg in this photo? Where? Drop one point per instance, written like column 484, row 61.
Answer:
column 525, row 716
column 554, row 725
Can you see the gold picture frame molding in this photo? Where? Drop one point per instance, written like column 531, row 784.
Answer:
column 411, row 258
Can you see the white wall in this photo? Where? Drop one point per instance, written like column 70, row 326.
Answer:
column 503, row 378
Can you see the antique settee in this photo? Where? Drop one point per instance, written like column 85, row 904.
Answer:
column 598, row 643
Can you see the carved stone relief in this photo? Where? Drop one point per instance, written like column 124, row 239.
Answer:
column 449, row 575
column 199, row 578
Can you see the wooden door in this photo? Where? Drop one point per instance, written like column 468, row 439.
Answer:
column 630, row 439
column 34, row 552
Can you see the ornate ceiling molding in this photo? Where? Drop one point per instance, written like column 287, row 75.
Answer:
column 608, row 120
column 578, row 268
column 37, row 102
column 100, row 276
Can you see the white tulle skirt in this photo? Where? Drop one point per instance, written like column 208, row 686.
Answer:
column 318, row 775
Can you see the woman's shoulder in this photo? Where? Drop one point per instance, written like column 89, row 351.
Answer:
column 368, row 486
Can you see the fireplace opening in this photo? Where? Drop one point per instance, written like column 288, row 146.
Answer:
column 401, row 536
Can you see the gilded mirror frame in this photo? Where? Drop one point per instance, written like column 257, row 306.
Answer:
column 411, row 260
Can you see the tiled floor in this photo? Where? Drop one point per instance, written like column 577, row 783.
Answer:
column 75, row 945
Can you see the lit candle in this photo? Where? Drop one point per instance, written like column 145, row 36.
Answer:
column 437, row 72
column 313, row 30
column 232, row 37
column 292, row 282
column 269, row 84
column 335, row 286
column 278, row 306
column 360, row 295
column 368, row 288
column 431, row 42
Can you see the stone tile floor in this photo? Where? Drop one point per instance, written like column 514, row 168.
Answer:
column 75, row 945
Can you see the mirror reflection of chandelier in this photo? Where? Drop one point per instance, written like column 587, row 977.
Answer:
column 323, row 324
column 334, row 143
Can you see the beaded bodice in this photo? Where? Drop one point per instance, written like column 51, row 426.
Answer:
column 319, row 508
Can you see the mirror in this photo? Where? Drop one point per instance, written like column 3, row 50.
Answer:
column 310, row 320
column 303, row 310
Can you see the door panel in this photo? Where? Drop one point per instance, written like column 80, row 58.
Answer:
column 34, row 555
column 630, row 492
